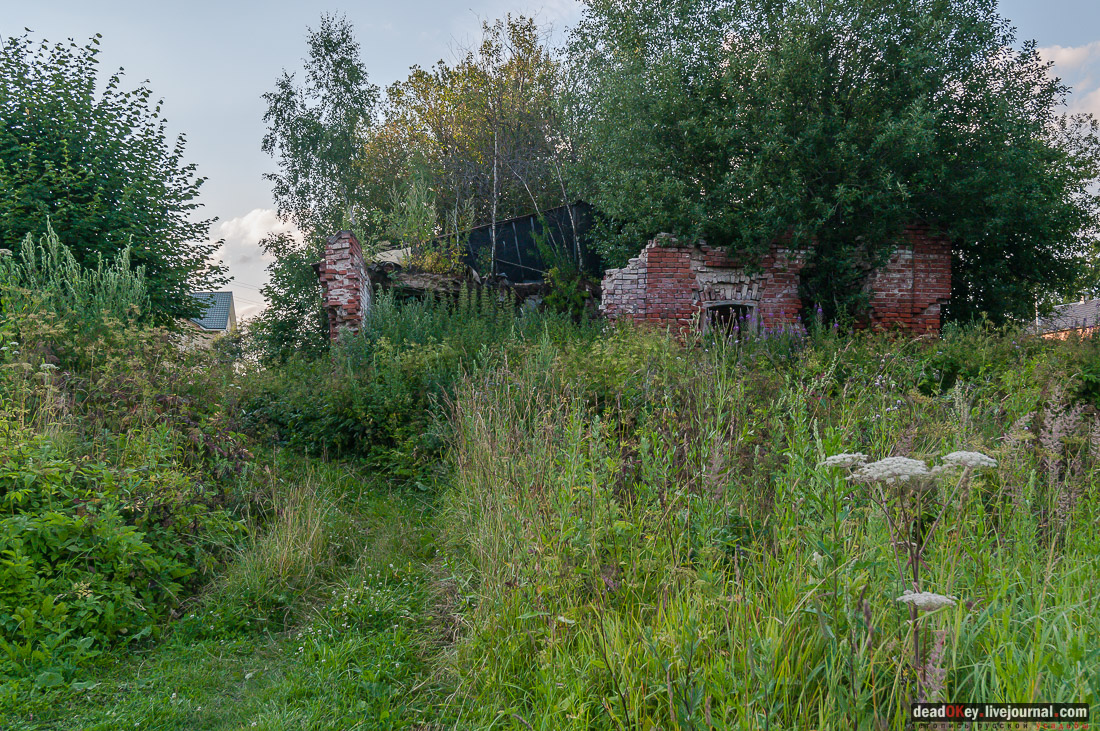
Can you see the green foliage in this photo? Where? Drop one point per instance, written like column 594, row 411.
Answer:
column 412, row 222
column 314, row 131
column 633, row 533
column 836, row 124
column 294, row 320
column 93, row 555
column 120, row 473
column 353, row 599
column 93, row 161
column 483, row 131
column 47, row 276
column 377, row 394
column 569, row 291
column 640, row 535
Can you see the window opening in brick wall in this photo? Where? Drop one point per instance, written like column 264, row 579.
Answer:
column 730, row 318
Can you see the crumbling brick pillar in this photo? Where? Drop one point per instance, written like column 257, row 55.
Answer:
column 345, row 286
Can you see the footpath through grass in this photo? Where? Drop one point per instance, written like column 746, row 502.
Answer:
column 323, row 622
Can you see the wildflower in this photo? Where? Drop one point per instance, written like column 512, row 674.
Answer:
column 927, row 601
column 47, row 367
column 891, row 470
column 845, row 460
column 968, row 459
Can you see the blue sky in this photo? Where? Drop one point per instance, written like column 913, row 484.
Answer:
column 211, row 61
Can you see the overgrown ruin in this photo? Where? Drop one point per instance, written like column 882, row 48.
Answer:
column 684, row 286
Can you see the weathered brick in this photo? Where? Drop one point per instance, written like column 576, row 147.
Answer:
column 672, row 284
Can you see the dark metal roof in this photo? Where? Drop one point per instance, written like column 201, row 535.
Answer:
column 1074, row 316
column 518, row 258
column 218, row 306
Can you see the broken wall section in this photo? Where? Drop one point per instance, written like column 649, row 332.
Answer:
column 345, row 286
column 674, row 285
column 909, row 291
column 681, row 286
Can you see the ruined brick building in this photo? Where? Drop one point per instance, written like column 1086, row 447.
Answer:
column 681, row 286
column 670, row 284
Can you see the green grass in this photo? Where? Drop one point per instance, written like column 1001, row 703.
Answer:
column 675, row 557
column 322, row 621
column 625, row 533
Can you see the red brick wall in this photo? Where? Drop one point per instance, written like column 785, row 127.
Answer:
column 909, row 291
column 669, row 284
column 345, row 286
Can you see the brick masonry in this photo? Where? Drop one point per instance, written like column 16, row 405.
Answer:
column 909, row 291
column 672, row 285
column 345, row 286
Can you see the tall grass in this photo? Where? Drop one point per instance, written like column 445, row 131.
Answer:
column 656, row 546
column 47, row 276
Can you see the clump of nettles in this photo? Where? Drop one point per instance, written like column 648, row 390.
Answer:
column 908, row 494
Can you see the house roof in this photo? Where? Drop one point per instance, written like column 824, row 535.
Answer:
column 217, row 305
column 1074, row 316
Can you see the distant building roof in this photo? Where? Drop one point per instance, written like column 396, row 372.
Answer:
column 1074, row 316
column 219, row 313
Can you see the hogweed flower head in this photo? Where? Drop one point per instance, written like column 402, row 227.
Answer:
column 845, row 460
column 968, row 459
column 892, row 470
column 926, row 601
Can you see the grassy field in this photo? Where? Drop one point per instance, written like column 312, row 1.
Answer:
column 474, row 519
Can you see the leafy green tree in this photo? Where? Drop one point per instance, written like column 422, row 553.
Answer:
column 836, row 122
column 315, row 132
column 483, row 131
column 99, row 168
column 294, row 320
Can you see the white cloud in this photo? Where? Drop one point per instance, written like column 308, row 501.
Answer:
column 1090, row 103
column 1079, row 67
column 241, row 252
column 1068, row 58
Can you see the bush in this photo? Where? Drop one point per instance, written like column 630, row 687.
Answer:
column 122, row 472
column 379, row 394
column 94, row 554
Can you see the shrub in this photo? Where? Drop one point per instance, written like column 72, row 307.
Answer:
column 93, row 554
column 122, row 472
column 378, row 394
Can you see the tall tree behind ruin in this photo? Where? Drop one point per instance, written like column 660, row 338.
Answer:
column 483, row 130
column 836, row 122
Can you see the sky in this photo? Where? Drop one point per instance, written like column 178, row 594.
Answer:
column 212, row 61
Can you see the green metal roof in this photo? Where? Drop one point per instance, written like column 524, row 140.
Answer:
column 216, row 315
